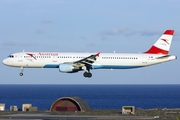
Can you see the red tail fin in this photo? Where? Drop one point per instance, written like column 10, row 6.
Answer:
column 163, row 44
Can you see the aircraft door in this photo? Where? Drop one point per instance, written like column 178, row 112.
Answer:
column 144, row 59
column 54, row 58
column 20, row 58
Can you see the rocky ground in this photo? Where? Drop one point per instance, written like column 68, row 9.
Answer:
column 170, row 114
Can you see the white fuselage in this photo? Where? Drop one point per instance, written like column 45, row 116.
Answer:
column 103, row 61
column 70, row 62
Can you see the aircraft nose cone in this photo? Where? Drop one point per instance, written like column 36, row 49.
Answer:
column 7, row 62
column 4, row 61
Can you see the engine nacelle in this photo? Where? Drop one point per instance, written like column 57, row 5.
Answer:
column 67, row 68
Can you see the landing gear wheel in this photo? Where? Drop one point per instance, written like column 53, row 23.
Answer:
column 21, row 74
column 87, row 74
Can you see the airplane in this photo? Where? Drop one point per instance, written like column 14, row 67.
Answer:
column 71, row 62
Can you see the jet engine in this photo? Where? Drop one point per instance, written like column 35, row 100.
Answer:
column 67, row 68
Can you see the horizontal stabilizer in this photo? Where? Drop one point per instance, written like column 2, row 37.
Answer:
column 165, row 56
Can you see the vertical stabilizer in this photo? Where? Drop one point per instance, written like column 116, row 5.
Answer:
column 163, row 44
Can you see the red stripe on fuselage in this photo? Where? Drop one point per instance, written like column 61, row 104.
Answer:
column 155, row 50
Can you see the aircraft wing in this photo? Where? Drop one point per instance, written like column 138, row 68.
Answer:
column 88, row 61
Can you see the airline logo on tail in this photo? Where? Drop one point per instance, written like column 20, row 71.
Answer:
column 166, row 41
column 163, row 44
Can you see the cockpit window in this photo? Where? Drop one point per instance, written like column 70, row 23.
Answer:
column 11, row 56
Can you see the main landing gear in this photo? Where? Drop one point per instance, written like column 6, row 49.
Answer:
column 87, row 74
column 21, row 73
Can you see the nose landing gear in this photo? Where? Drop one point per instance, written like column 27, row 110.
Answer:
column 21, row 73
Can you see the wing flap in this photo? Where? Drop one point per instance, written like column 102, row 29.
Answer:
column 88, row 61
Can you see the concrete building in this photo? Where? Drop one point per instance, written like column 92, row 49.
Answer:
column 33, row 109
column 128, row 110
column 13, row 108
column 70, row 104
column 25, row 107
column 2, row 107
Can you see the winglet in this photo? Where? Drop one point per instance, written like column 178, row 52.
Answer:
column 98, row 54
column 163, row 44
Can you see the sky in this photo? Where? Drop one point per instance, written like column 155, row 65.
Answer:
column 88, row 26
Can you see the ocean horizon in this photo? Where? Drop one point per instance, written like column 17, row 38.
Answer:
column 98, row 96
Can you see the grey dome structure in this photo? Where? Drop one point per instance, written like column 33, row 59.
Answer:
column 70, row 104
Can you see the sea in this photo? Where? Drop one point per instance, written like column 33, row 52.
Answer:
column 97, row 96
